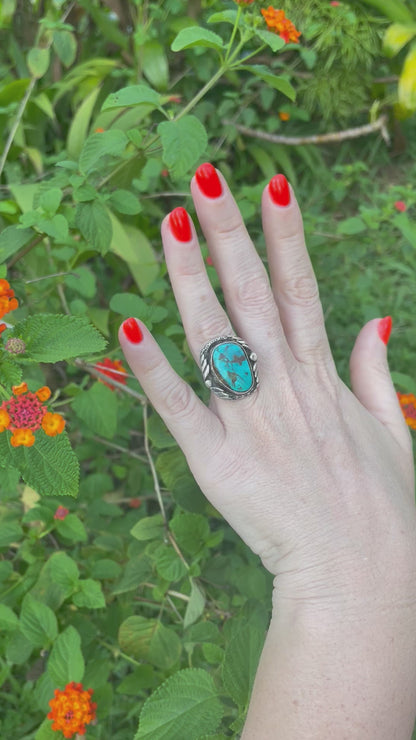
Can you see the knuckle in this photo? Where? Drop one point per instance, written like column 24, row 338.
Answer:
column 254, row 292
column 178, row 400
column 301, row 289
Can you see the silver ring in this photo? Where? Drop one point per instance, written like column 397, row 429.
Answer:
column 229, row 368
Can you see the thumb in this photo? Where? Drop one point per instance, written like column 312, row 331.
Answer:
column 371, row 381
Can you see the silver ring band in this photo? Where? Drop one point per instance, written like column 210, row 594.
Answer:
column 229, row 368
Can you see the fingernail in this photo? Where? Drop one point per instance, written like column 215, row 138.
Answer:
column 384, row 328
column 208, row 180
column 132, row 331
column 279, row 190
column 180, row 225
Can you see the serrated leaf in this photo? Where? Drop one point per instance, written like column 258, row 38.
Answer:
column 131, row 95
column 184, row 142
column 50, row 466
column 168, row 563
column 12, row 239
column 10, row 373
column 197, row 36
column 184, row 707
column 55, row 337
column 38, row 61
column 191, row 531
column 149, row 528
column 66, row 662
column 97, row 407
column 90, row 595
column 101, row 145
column 126, row 202
column 38, row 622
column 241, row 659
column 149, row 640
column 94, row 223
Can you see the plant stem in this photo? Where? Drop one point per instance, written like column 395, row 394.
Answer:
column 16, row 123
column 231, row 41
column 192, row 103
column 152, row 467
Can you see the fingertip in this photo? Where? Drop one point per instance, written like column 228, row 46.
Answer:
column 131, row 330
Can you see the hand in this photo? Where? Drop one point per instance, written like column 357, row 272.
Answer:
column 316, row 479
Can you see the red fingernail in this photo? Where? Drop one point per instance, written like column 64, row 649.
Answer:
column 208, row 180
column 384, row 328
column 179, row 225
column 132, row 331
column 279, row 190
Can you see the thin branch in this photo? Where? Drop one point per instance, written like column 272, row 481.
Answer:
column 152, row 467
column 335, row 136
column 93, row 371
column 19, row 114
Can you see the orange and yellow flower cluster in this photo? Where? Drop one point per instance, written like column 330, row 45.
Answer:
column 24, row 413
column 278, row 23
column 7, row 301
column 408, row 403
column 72, row 709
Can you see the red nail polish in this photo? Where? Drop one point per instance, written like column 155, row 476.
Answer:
column 132, row 331
column 179, row 225
column 208, row 180
column 279, row 190
column 384, row 328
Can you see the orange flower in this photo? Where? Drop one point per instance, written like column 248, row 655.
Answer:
column 115, row 371
column 72, row 709
column 7, row 301
column 284, row 116
column 408, row 403
column 24, row 413
column 277, row 22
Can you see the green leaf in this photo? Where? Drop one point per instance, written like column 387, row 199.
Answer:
column 353, row 225
column 65, row 45
column 278, row 83
column 66, row 662
column 168, row 563
column 407, row 227
column 271, row 39
column 50, row 466
column 38, row 622
column 395, row 10
column 131, row 95
column 8, row 620
column 149, row 640
column 10, row 532
column 184, row 142
column 63, row 570
column 99, row 146
column 72, row 529
column 124, row 201
column 12, row 239
column 97, row 407
column 94, row 223
column 82, row 280
column 241, row 659
column 45, row 731
column 38, row 61
column 407, row 81
column 224, row 16
column 191, row 531
column 90, row 595
column 155, row 64
column 18, row 648
column 56, row 227
column 135, row 572
column 56, row 337
column 195, row 605
column 397, row 36
column 80, row 124
column 159, row 434
column 184, row 707
column 149, row 528
column 50, row 200
column 132, row 246
column 197, row 36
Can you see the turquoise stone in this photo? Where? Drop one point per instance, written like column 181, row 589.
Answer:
column 230, row 363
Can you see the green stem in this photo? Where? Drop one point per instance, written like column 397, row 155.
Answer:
column 231, row 41
column 202, row 92
column 253, row 54
column 16, row 123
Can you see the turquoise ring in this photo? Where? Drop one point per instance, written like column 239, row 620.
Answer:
column 229, row 368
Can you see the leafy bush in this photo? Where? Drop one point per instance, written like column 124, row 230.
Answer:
column 115, row 571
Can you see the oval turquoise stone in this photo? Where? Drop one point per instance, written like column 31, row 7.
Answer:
column 230, row 363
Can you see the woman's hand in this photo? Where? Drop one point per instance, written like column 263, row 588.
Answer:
column 316, row 479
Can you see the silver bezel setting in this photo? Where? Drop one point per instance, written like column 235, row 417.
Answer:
column 210, row 377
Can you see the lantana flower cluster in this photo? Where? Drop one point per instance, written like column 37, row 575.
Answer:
column 72, row 709
column 24, row 413
column 277, row 22
column 408, row 404
column 7, row 301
